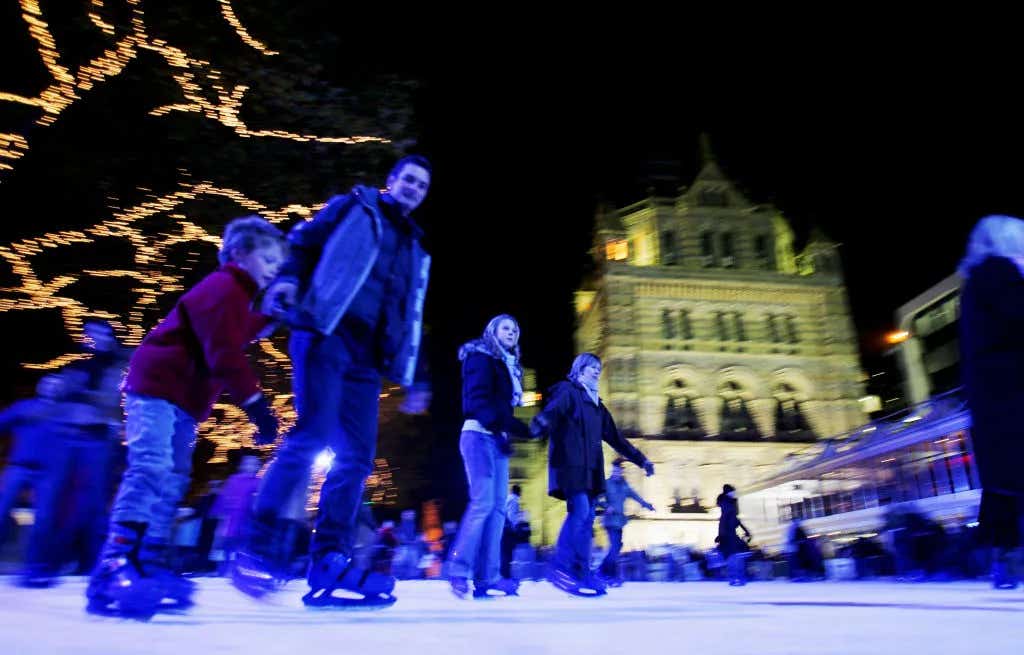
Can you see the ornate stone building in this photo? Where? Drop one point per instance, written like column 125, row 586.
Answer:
column 724, row 350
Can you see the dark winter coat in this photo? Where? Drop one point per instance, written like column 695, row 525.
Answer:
column 728, row 541
column 992, row 365
column 487, row 391
column 198, row 351
column 331, row 259
column 576, row 427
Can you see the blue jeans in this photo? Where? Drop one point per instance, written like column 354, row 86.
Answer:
column 160, row 438
column 572, row 551
column 477, row 550
column 71, row 502
column 610, row 565
column 337, row 393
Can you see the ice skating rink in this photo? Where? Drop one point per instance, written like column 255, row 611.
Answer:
column 702, row 618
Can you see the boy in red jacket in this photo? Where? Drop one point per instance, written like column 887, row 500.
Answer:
column 174, row 377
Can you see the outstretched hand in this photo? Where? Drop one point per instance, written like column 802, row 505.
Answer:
column 649, row 468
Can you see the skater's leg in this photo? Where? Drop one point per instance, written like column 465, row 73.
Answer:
column 610, row 565
column 46, row 547
column 316, row 381
column 508, row 547
column 117, row 580
column 92, row 472
column 567, row 547
column 354, row 445
column 178, row 478
column 479, row 456
column 154, row 556
column 317, row 385
column 150, row 432
column 489, row 563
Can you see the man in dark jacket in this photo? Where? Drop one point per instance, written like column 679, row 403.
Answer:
column 352, row 292
column 577, row 422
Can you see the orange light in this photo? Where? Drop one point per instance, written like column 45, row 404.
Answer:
column 617, row 250
column 897, row 336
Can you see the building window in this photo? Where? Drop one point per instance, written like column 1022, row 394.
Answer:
column 773, row 329
column 728, row 250
column 616, row 250
column 668, row 328
column 721, row 327
column 794, row 336
column 737, row 323
column 763, row 252
column 669, row 254
column 685, row 324
column 707, row 249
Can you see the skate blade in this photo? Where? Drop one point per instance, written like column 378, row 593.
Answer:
column 322, row 599
column 255, row 584
column 574, row 590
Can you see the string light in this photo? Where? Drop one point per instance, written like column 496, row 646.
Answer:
column 154, row 275
column 229, row 15
column 197, row 78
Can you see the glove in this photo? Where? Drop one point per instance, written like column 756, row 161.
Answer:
column 279, row 298
column 517, row 429
column 263, row 418
column 504, row 442
column 649, row 467
column 537, row 428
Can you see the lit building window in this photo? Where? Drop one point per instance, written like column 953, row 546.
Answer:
column 616, row 250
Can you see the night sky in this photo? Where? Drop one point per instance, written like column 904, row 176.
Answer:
column 527, row 133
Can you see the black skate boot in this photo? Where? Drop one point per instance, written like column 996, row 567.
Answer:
column 255, row 571
column 572, row 583
column 333, row 571
column 502, row 587
column 154, row 560
column 117, row 586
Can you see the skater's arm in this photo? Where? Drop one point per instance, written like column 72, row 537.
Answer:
column 218, row 310
column 638, row 498
column 306, row 242
column 613, row 438
column 555, row 409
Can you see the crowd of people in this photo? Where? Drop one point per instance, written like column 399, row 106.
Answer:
column 350, row 285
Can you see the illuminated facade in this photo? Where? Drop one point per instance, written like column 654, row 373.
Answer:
column 723, row 349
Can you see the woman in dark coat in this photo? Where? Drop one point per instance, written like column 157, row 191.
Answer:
column 491, row 387
column 733, row 549
column 577, row 422
column 992, row 361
